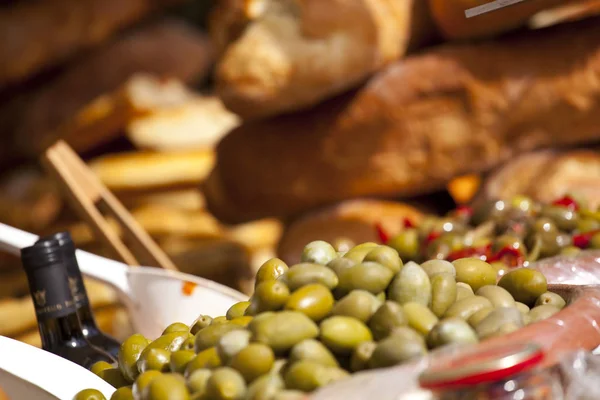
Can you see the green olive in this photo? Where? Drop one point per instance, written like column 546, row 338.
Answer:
column 358, row 253
column 434, row 267
column 197, row 381
column 231, row 343
column 318, row 252
column 468, row 306
column 397, row 348
column 522, row 203
column 451, row 330
column 308, row 376
column 441, row 247
column 474, row 272
column 271, row 295
column 498, row 296
column 524, row 284
column 551, row 299
column 219, row 320
column 411, row 284
column 100, row 366
column 180, row 359
column 208, row 358
column 313, row 350
column 358, row 304
column 342, row 334
column 209, row 337
column 539, row 313
column 387, row 318
column 369, row 276
column 523, row 308
column 129, row 353
column 361, row 356
column 443, row 292
column 419, row 317
column 489, row 210
column 176, row 327
column 595, row 241
column 226, row 384
column 271, row 270
column 200, row 323
column 89, row 394
column 114, row 377
column 508, row 241
column 564, row 218
column 167, row 387
column 313, row 300
column 242, row 321
column 340, row 264
column 142, row 382
column 237, row 310
column 123, row 393
column 479, row 316
column 283, row 330
column 386, row 256
column 501, row 320
column 154, row 359
column 406, row 243
column 254, row 360
column 304, row 274
column 463, row 290
column 570, row 251
column 265, row 387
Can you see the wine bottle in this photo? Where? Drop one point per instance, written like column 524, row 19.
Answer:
column 84, row 310
column 55, row 307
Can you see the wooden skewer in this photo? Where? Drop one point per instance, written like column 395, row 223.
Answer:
column 88, row 196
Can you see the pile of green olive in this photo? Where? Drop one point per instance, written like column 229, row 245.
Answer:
column 506, row 233
column 319, row 321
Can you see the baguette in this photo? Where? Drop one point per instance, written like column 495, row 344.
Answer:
column 281, row 55
column 454, row 110
column 546, row 176
column 354, row 219
column 168, row 49
column 38, row 34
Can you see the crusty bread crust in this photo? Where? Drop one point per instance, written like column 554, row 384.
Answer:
column 284, row 55
column 546, row 176
column 454, row 110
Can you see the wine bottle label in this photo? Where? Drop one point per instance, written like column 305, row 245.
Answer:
column 76, row 283
column 51, row 293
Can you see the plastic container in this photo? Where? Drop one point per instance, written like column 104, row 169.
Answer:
column 502, row 373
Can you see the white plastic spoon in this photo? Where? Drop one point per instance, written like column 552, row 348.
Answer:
column 27, row 372
column 154, row 297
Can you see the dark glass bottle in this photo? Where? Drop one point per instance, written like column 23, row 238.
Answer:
column 84, row 310
column 55, row 307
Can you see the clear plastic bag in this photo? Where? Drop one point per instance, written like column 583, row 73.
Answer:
column 580, row 371
column 576, row 327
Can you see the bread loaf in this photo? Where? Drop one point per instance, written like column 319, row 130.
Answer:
column 284, row 55
column 546, row 176
column 450, row 18
column 354, row 219
column 450, row 111
column 38, row 34
column 167, row 49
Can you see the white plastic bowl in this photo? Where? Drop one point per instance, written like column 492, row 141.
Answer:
column 28, row 373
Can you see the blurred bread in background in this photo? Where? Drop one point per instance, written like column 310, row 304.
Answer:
column 445, row 112
column 546, row 176
column 281, row 56
column 38, row 34
column 167, row 49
